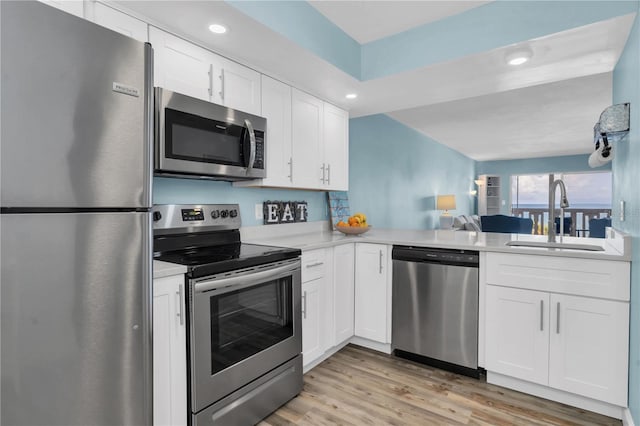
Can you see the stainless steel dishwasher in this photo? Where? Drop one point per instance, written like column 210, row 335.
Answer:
column 435, row 307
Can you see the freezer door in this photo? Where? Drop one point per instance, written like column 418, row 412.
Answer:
column 76, row 322
column 76, row 112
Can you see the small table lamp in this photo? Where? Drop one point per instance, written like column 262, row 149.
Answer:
column 446, row 203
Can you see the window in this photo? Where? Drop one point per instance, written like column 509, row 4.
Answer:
column 589, row 196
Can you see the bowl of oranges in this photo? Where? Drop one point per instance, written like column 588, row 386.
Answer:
column 356, row 224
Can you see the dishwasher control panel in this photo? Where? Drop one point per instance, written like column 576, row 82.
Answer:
column 435, row 255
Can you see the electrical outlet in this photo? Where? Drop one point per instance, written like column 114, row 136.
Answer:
column 259, row 214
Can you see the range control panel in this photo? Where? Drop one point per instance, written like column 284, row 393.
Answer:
column 195, row 217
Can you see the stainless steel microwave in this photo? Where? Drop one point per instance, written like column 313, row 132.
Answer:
column 199, row 139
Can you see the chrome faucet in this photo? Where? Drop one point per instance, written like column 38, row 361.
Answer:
column 564, row 203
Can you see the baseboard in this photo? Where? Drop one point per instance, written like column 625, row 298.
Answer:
column 627, row 418
column 371, row 344
column 546, row 392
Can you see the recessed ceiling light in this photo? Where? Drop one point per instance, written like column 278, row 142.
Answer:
column 351, row 95
column 519, row 56
column 217, row 29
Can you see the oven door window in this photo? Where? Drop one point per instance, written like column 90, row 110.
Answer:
column 247, row 321
column 194, row 138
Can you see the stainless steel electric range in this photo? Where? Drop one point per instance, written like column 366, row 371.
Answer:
column 244, row 336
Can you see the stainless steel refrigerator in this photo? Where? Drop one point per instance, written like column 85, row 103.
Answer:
column 75, row 173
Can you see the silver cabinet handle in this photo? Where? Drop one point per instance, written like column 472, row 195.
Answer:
column 304, row 304
column 311, row 265
column 328, row 174
column 558, row 318
column 323, row 170
column 222, row 84
column 290, row 169
column 541, row 313
column 252, row 145
column 210, row 81
column 180, row 312
column 380, row 262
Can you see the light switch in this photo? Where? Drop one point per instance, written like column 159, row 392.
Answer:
column 259, row 212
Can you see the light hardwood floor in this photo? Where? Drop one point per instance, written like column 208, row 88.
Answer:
column 357, row 386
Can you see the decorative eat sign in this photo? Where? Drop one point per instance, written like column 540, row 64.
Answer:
column 284, row 212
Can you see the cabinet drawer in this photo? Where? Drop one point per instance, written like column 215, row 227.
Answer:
column 583, row 277
column 314, row 264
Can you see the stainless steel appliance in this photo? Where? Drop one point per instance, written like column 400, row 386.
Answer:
column 199, row 139
column 76, row 110
column 435, row 307
column 244, row 314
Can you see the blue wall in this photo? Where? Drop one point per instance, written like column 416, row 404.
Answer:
column 191, row 191
column 395, row 173
column 506, row 168
column 626, row 179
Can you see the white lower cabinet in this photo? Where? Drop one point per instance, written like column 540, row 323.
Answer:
column 588, row 348
column 313, row 309
column 517, row 340
column 316, row 317
column 373, row 292
column 169, row 352
column 343, row 292
column 577, row 343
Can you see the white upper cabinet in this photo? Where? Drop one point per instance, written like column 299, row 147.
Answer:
column 120, row 22
column 276, row 108
column 183, row 67
column 75, row 7
column 180, row 66
column 336, row 148
column 237, row 87
column 307, row 133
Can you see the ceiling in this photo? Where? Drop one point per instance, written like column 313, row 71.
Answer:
column 476, row 104
column 367, row 21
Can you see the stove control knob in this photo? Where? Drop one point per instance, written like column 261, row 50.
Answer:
column 233, row 213
column 215, row 214
column 224, row 214
column 157, row 216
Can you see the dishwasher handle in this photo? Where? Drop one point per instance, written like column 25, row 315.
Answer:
column 433, row 255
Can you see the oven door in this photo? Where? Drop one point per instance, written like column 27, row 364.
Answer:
column 243, row 325
column 200, row 138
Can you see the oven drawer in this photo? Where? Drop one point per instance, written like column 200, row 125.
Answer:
column 257, row 400
column 314, row 264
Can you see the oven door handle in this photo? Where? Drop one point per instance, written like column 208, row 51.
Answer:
column 246, row 279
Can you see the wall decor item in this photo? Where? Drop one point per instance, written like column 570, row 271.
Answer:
column 338, row 206
column 275, row 212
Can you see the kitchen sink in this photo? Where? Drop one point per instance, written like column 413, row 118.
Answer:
column 546, row 244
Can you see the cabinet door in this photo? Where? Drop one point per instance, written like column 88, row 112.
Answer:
column 517, row 333
column 336, row 148
column 371, row 292
column 239, row 86
column 75, row 7
column 307, row 128
column 312, row 330
column 589, row 347
column 120, row 22
column 169, row 352
column 276, row 108
column 343, row 292
column 181, row 66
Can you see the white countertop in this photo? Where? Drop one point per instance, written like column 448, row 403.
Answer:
column 166, row 269
column 617, row 248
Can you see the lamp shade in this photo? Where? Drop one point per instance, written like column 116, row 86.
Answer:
column 446, row 202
